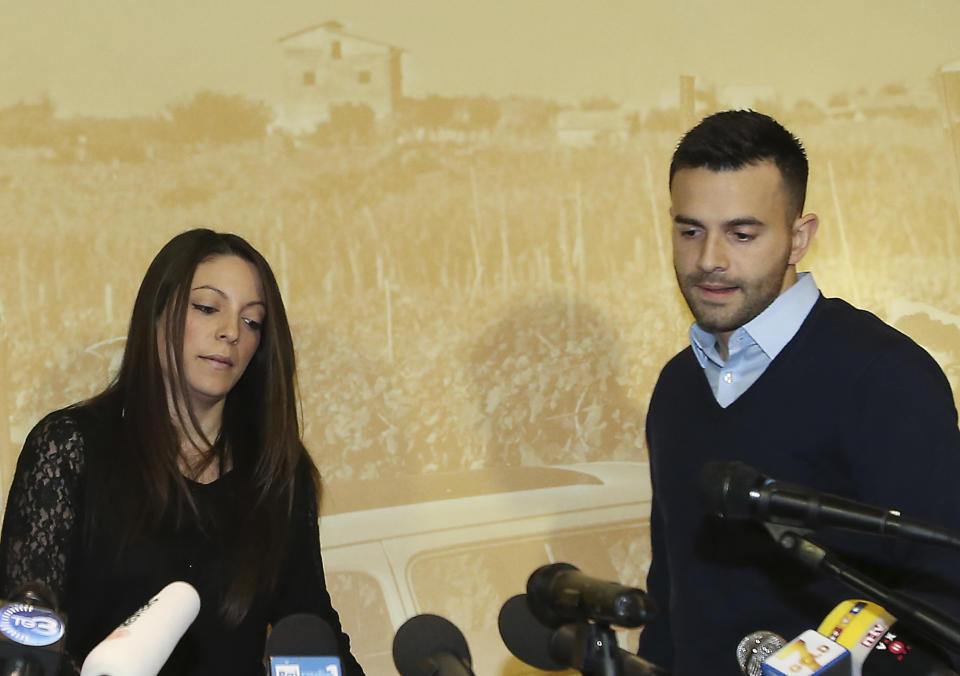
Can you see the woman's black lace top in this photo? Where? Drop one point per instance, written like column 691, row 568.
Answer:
column 42, row 540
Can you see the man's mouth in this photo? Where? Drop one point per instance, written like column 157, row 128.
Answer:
column 716, row 290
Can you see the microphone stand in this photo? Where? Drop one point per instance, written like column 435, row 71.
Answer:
column 925, row 619
column 594, row 650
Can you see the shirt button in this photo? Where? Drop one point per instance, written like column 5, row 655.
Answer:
column 728, row 377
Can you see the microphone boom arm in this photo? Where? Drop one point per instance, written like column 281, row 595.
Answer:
column 932, row 623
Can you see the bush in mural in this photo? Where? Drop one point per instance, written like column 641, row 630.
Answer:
column 218, row 118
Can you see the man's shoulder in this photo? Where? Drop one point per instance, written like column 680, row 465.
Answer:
column 677, row 373
column 846, row 339
column 684, row 360
column 860, row 330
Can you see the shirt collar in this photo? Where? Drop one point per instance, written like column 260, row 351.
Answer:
column 772, row 329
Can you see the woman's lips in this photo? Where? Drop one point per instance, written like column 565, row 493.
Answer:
column 218, row 360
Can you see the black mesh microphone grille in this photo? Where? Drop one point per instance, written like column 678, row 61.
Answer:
column 425, row 636
column 525, row 637
column 754, row 648
column 301, row 634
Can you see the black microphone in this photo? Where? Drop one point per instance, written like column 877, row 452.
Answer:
column 430, row 645
column 302, row 643
column 31, row 632
column 734, row 490
column 559, row 593
column 549, row 649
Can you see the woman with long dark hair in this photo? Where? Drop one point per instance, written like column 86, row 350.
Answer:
column 189, row 466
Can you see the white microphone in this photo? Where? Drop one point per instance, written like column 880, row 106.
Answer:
column 142, row 643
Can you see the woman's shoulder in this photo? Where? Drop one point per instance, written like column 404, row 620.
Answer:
column 59, row 427
column 66, row 433
column 67, row 423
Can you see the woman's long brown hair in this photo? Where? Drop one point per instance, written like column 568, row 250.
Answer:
column 138, row 477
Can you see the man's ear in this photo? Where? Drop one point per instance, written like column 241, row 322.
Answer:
column 804, row 228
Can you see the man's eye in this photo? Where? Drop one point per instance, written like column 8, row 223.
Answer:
column 743, row 236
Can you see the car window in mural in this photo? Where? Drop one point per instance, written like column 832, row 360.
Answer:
column 470, row 585
column 367, row 618
column 463, row 555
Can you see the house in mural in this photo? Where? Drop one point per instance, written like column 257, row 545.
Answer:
column 324, row 67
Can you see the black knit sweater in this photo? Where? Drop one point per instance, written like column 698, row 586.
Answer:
column 851, row 407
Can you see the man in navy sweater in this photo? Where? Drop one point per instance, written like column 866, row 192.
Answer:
column 805, row 389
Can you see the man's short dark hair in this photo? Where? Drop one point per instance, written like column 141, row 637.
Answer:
column 733, row 139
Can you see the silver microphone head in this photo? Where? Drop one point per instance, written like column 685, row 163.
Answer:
column 754, row 648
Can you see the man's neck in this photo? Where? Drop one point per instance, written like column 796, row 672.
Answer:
column 723, row 344
column 723, row 337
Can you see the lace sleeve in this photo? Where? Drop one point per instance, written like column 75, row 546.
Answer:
column 41, row 523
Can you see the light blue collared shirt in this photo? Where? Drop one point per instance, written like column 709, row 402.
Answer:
column 755, row 344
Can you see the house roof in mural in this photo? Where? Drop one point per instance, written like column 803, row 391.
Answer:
column 337, row 28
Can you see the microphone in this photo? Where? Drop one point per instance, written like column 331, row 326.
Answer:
column 302, row 643
column 809, row 653
column 31, row 632
column 878, row 647
column 543, row 647
column 754, row 648
column 142, row 643
column 861, row 630
column 559, row 593
column 734, row 490
column 430, row 645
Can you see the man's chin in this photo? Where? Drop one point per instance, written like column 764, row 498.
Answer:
column 715, row 324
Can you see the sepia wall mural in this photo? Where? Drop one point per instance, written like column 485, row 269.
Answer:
column 469, row 225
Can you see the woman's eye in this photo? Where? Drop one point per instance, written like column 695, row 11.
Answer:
column 205, row 309
column 253, row 323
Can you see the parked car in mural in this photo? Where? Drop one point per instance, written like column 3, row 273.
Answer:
column 460, row 544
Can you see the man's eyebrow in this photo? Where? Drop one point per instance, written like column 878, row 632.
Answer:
column 218, row 291
column 733, row 222
column 744, row 220
column 686, row 220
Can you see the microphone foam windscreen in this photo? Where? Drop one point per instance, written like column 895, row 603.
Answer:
column 424, row 636
column 301, row 634
column 525, row 637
